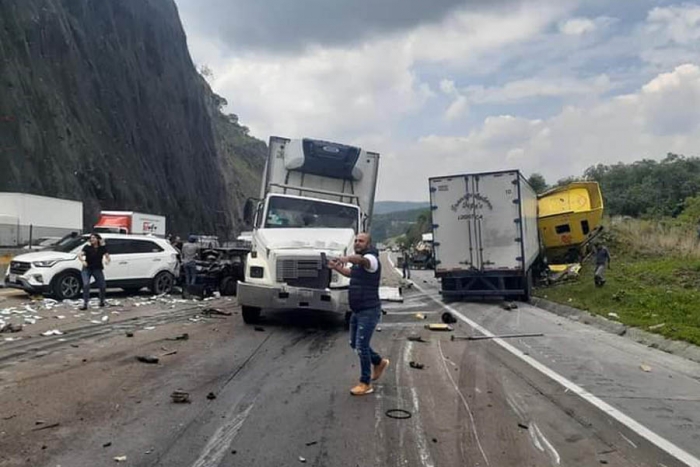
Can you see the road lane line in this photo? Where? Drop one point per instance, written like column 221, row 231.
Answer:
column 659, row 441
column 464, row 401
column 421, row 441
column 552, row 452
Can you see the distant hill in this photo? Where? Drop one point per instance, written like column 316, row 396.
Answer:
column 385, row 207
column 392, row 224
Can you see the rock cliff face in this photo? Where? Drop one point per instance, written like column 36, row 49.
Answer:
column 100, row 102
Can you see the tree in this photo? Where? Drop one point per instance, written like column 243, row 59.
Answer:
column 537, row 182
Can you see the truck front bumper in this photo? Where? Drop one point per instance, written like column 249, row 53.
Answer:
column 285, row 297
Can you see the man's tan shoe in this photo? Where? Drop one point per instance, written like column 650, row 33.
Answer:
column 378, row 370
column 362, row 389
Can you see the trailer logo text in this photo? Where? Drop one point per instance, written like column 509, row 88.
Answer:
column 472, row 201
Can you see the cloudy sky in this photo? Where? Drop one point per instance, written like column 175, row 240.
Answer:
column 452, row 86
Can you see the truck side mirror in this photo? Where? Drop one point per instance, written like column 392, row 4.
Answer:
column 249, row 211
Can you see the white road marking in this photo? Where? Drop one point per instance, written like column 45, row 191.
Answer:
column 629, row 441
column 421, row 441
column 219, row 443
column 659, row 441
column 465, row 403
column 550, row 449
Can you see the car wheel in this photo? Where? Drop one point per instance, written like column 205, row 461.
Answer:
column 68, row 285
column 228, row 286
column 162, row 283
column 251, row 314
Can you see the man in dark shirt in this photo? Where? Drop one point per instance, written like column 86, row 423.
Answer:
column 602, row 261
column 363, row 295
column 92, row 257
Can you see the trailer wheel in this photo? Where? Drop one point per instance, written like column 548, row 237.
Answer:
column 251, row 314
column 528, row 287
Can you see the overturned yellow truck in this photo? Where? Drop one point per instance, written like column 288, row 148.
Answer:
column 569, row 219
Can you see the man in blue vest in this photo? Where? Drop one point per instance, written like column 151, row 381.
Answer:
column 363, row 295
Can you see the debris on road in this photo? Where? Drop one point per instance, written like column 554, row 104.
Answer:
column 523, row 426
column 614, row 315
column 120, row 459
column 416, row 365
column 416, row 339
column 500, row 336
column 149, row 328
column 129, row 334
column 147, row 359
column 52, row 332
column 211, row 396
column 180, row 397
column 420, row 316
column 390, row 294
column 107, row 444
column 645, row 367
column 311, row 443
column 302, row 460
column 259, row 329
column 448, row 318
column 398, row 414
column 657, row 326
column 509, row 306
column 438, row 327
column 181, row 337
column 46, row 427
column 215, row 311
column 10, row 327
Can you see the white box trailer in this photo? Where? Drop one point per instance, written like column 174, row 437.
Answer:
column 485, row 234
column 24, row 215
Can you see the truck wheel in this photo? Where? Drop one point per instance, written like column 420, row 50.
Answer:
column 528, row 287
column 162, row 283
column 228, row 286
column 251, row 314
column 68, row 285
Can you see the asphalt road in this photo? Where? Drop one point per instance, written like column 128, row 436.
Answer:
column 282, row 393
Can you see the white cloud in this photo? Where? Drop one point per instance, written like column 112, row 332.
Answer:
column 679, row 23
column 457, row 108
column 577, row 26
column 662, row 116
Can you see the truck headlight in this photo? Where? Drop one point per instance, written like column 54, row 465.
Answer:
column 257, row 272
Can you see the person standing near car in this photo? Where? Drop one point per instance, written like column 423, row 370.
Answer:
column 94, row 256
column 363, row 295
column 189, row 258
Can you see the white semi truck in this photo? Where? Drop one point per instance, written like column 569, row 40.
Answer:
column 315, row 196
column 485, row 235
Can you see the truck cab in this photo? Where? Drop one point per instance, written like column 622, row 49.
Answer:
column 316, row 196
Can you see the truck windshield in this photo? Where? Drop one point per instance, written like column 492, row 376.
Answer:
column 304, row 213
column 70, row 242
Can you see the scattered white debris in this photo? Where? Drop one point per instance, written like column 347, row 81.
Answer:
column 52, row 332
column 614, row 315
column 105, row 319
column 390, row 294
column 60, row 317
column 120, row 459
column 149, row 328
column 645, row 367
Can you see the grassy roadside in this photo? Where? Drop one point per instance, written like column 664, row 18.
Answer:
column 654, row 282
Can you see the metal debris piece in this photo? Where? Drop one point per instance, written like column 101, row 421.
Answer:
column 438, row 327
column 107, row 444
column 180, row 397
column 416, row 365
column 420, row 316
column 211, row 396
column 46, row 427
column 501, row 336
column 10, row 327
column 311, row 443
column 147, row 358
column 523, row 426
column 416, row 339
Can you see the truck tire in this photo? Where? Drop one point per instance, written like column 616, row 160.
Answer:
column 68, row 285
column 527, row 295
column 251, row 314
column 228, row 286
column 162, row 283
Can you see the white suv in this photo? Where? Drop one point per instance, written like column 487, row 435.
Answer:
column 137, row 261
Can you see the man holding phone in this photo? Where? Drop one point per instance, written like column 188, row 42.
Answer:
column 363, row 295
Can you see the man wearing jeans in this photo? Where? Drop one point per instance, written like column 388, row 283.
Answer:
column 93, row 256
column 365, row 275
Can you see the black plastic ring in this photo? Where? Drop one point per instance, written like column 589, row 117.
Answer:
column 398, row 414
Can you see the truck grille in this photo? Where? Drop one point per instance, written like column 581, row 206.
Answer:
column 19, row 267
column 306, row 272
